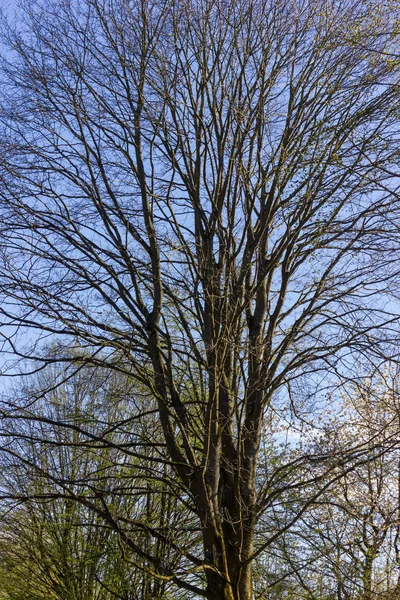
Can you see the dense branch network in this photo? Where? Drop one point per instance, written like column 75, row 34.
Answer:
column 204, row 197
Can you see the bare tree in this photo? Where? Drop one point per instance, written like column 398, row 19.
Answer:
column 204, row 195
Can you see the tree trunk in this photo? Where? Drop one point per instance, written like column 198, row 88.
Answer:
column 239, row 588
column 229, row 576
column 367, row 574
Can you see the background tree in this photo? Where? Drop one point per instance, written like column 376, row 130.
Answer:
column 209, row 191
column 52, row 546
column 345, row 546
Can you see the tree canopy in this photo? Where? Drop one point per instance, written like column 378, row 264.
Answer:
column 203, row 196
